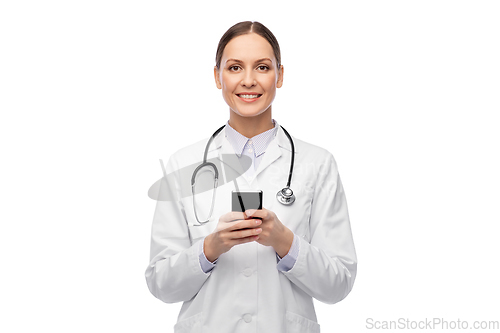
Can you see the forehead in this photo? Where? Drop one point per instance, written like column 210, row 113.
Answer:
column 248, row 47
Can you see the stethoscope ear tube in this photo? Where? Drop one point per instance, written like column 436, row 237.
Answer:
column 201, row 166
column 289, row 182
column 216, row 182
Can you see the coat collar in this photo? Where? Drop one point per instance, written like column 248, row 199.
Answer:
column 273, row 151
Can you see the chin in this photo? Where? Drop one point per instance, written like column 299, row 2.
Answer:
column 250, row 112
column 244, row 113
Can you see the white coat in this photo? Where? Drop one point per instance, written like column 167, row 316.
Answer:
column 245, row 292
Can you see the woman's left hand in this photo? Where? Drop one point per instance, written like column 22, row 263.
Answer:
column 274, row 233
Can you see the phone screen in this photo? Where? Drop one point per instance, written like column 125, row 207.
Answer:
column 241, row 201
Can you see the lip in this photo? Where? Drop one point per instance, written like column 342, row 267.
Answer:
column 248, row 100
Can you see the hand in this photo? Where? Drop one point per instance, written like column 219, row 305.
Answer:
column 274, row 233
column 233, row 228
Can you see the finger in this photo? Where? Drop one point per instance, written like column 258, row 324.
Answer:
column 243, row 224
column 258, row 213
column 250, row 223
column 245, row 240
column 243, row 233
column 229, row 226
column 231, row 216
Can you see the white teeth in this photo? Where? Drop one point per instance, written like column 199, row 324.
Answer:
column 249, row 96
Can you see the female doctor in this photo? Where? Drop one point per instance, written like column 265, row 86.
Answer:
column 237, row 273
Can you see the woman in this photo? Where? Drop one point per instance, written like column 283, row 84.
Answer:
column 239, row 273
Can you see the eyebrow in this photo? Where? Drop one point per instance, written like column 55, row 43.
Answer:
column 236, row 60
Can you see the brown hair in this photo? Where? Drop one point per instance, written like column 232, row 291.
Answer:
column 244, row 28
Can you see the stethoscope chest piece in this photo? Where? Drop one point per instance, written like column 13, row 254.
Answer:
column 285, row 196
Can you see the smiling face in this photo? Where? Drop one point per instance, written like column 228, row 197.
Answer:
column 248, row 75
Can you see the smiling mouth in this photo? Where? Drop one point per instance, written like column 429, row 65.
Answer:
column 247, row 96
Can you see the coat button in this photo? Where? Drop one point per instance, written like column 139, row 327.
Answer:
column 247, row 272
column 247, row 318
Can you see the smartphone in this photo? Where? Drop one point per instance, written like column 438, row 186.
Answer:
column 243, row 200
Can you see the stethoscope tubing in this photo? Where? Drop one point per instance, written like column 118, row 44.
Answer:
column 285, row 196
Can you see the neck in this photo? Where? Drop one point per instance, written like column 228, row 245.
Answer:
column 251, row 126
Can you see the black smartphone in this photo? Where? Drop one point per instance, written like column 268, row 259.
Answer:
column 243, row 200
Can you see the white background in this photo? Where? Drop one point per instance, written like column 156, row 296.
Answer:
column 405, row 94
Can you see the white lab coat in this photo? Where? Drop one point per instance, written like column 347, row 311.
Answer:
column 245, row 292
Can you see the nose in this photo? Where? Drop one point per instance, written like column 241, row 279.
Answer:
column 248, row 79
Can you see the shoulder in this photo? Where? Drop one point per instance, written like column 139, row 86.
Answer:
column 316, row 161
column 313, row 153
column 192, row 153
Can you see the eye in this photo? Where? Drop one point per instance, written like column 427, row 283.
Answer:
column 234, row 68
column 263, row 67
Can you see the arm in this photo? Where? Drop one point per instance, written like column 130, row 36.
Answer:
column 174, row 273
column 326, row 267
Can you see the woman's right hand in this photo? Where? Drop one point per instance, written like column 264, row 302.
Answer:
column 233, row 228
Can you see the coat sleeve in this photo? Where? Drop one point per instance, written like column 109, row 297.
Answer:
column 326, row 267
column 174, row 273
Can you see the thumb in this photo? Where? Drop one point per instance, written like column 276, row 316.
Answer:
column 250, row 212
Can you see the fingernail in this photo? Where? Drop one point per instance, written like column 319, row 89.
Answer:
column 257, row 221
column 249, row 212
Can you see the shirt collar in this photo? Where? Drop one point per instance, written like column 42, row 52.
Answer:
column 260, row 141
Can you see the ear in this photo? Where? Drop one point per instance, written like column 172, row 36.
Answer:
column 279, row 83
column 217, row 79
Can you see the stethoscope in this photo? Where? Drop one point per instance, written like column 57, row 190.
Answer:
column 284, row 196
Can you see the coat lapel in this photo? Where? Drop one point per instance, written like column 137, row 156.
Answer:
column 223, row 150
